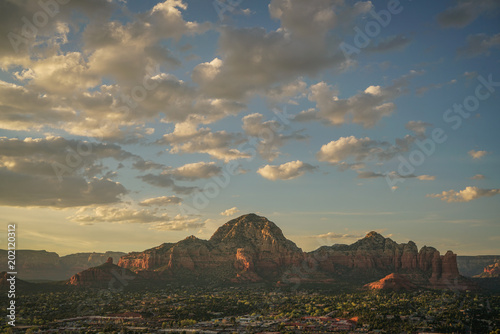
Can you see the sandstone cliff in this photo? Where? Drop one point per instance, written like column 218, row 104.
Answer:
column 490, row 271
column 248, row 248
column 375, row 256
column 251, row 248
column 107, row 276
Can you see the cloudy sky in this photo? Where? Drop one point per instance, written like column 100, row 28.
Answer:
column 126, row 124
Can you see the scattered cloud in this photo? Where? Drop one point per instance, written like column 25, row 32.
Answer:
column 195, row 171
column 129, row 215
column 426, row 177
column 479, row 44
column 111, row 214
column 58, row 172
column 393, row 175
column 161, row 201
column 129, row 56
column 301, row 46
column 418, row 127
column 477, row 154
column 333, row 235
column 424, row 89
column 269, row 134
column 286, row 171
column 166, row 181
column 188, row 138
column 478, row 177
column 366, row 108
column 369, row 175
column 144, row 165
column 31, row 190
column 361, row 149
column 287, row 93
column 230, row 212
column 179, row 223
column 391, row 43
column 21, row 108
column 466, row 195
column 465, row 12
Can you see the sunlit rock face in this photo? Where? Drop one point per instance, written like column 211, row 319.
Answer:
column 251, row 248
column 248, row 247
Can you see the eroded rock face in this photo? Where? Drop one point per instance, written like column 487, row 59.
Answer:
column 107, row 275
column 449, row 266
column 373, row 253
column 147, row 260
column 492, row 270
column 251, row 248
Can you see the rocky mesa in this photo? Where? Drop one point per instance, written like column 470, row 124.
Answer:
column 251, row 248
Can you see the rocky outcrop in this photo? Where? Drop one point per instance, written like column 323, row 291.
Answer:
column 375, row 256
column 107, row 275
column 490, row 271
column 147, row 260
column 394, row 282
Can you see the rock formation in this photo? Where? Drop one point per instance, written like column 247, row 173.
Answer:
column 251, row 248
column 248, row 248
column 395, row 282
column 490, row 271
column 107, row 276
column 375, row 256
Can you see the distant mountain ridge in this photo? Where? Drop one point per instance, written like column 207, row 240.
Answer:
column 474, row 265
column 43, row 265
column 251, row 248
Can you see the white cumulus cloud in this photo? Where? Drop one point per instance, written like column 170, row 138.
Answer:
column 466, row 195
column 230, row 212
column 286, row 171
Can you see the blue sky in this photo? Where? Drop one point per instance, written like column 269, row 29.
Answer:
column 126, row 124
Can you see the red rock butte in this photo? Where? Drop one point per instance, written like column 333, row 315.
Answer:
column 252, row 248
